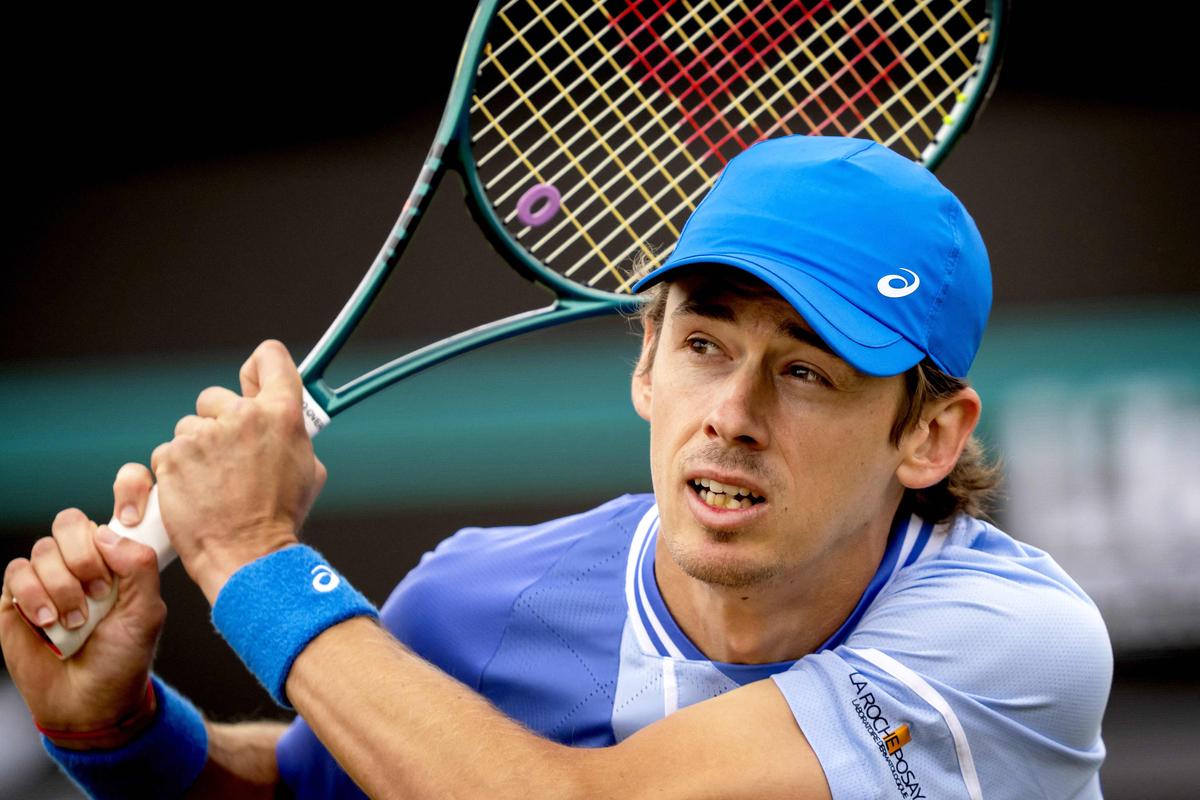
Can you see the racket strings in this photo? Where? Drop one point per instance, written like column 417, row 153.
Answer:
column 577, row 165
column 629, row 110
column 623, row 119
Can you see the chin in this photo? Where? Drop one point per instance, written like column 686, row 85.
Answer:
column 717, row 562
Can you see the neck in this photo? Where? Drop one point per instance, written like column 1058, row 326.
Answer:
column 781, row 619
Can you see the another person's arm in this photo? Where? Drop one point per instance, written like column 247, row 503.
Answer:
column 241, row 761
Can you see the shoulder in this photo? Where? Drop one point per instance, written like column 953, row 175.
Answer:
column 992, row 658
column 1000, row 620
column 454, row 606
column 1008, row 603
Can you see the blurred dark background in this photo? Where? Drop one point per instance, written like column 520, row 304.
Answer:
column 181, row 185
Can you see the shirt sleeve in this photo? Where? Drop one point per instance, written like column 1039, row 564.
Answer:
column 961, row 683
column 426, row 612
column 452, row 610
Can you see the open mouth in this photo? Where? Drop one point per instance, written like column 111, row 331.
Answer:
column 720, row 495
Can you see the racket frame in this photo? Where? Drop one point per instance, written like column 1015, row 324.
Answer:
column 989, row 60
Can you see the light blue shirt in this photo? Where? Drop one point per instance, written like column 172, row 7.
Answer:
column 971, row 667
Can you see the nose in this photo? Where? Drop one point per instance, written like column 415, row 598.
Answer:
column 738, row 411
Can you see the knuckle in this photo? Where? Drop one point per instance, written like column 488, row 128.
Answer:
column 43, row 547
column 160, row 457
column 15, row 569
column 250, row 415
column 244, row 409
column 289, row 414
column 68, row 517
column 144, row 558
column 209, row 395
column 273, row 346
column 182, row 445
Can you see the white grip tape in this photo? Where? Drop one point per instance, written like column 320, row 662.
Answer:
column 315, row 418
column 150, row 532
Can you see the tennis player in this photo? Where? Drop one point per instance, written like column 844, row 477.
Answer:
column 808, row 606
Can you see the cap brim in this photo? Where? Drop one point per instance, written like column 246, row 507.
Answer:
column 861, row 340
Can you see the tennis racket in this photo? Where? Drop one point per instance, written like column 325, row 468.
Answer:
column 585, row 133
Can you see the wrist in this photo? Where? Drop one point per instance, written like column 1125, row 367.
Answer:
column 162, row 761
column 271, row 609
column 212, row 569
column 106, row 736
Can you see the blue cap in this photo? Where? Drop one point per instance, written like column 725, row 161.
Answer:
column 870, row 249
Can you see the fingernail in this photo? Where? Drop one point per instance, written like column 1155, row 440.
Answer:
column 75, row 619
column 106, row 535
column 129, row 515
column 97, row 589
column 45, row 616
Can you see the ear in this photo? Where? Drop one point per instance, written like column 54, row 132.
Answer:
column 641, row 389
column 932, row 448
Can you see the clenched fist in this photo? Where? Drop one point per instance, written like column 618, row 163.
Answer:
column 104, row 685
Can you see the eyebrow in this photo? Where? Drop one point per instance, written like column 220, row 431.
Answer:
column 710, row 309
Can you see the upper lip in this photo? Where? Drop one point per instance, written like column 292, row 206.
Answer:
column 726, row 479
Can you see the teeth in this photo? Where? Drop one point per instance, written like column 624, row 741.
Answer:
column 723, row 495
column 718, row 500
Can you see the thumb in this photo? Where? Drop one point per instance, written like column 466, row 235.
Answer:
column 270, row 371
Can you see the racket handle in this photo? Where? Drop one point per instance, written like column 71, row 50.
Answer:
column 150, row 532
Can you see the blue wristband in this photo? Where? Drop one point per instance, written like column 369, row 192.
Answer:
column 273, row 607
column 162, row 762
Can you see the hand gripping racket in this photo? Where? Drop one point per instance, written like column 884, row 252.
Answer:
column 585, row 133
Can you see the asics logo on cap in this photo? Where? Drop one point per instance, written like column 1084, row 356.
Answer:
column 898, row 285
column 324, row 578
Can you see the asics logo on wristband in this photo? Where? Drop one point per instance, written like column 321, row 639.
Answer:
column 898, row 285
column 324, row 578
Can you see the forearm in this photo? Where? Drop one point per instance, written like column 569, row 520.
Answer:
column 402, row 728
column 241, row 761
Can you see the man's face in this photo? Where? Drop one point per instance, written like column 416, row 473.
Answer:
column 742, row 395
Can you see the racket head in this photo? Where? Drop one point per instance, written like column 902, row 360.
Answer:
column 588, row 108
column 622, row 114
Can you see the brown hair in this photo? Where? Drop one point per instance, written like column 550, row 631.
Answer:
column 970, row 488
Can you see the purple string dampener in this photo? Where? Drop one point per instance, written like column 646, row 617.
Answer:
column 542, row 197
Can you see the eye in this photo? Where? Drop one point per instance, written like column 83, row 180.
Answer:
column 807, row 374
column 702, row 346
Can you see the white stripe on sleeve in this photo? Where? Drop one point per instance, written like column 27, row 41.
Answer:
column 931, row 696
